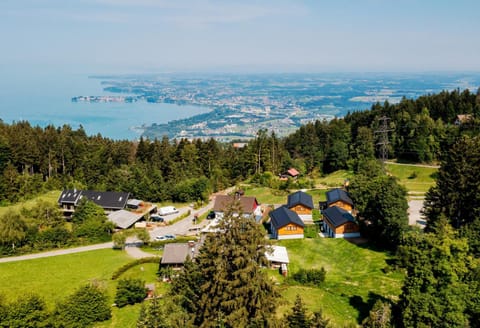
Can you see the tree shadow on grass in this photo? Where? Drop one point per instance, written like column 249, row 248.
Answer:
column 364, row 307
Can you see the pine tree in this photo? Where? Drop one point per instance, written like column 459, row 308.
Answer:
column 298, row 317
column 230, row 284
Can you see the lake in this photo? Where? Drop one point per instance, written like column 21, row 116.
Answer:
column 44, row 99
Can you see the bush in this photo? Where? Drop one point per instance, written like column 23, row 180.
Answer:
column 130, row 291
column 313, row 277
column 87, row 305
column 311, row 231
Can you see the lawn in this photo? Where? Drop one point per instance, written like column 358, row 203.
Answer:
column 266, row 195
column 54, row 278
column 50, row 197
column 333, row 180
column 416, row 179
column 355, row 278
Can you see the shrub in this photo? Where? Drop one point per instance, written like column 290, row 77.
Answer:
column 130, row 291
column 313, row 277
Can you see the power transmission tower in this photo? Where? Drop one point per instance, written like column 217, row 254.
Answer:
column 383, row 143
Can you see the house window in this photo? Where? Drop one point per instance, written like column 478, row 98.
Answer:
column 291, row 228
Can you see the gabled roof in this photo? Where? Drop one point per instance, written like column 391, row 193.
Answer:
column 338, row 194
column 105, row 199
column 176, row 253
column 124, row 219
column 277, row 254
column 283, row 216
column 300, row 198
column 247, row 204
column 338, row 216
column 69, row 196
column 293, row 172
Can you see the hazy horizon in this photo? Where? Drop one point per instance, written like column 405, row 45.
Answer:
column 285, row 36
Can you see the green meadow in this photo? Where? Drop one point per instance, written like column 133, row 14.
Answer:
column 355, row 278
column 416, row 179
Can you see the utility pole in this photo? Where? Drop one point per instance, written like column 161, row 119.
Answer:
column 383, row 143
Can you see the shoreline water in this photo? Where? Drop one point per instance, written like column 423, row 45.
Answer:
column 46, row 100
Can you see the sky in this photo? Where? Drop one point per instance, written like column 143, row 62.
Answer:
column 142, row 36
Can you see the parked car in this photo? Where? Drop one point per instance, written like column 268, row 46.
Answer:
column 156, row 218
column 211, row 215
column 159, row 238
column 170, row 237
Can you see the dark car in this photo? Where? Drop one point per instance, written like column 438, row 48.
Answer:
column 211, row 215
column 156, row 218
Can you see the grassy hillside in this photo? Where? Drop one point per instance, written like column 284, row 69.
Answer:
column 54, row 278
column 416, row 179
column 355, row 278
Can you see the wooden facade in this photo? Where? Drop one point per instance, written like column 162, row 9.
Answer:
column 290, row 229
column 346, row 206
column 339, row 223
column 301, row 210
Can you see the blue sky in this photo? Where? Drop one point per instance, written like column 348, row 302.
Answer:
column 124, row 36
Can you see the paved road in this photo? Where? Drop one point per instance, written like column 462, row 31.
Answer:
column 57, row 252
column 417, row 165
column 414, row 215
column 181, row 228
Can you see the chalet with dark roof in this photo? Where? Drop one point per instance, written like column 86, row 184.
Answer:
column 339, row 223
column 302, row 204
column 110, row 201
column 248, row 206
column 340, row 198
column 286, row 224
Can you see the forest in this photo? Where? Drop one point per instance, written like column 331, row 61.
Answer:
column 35, row 159
column 441, row 264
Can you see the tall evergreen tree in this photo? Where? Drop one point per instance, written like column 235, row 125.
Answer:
column 231, row 287
column 299, row 315
column 436, row 292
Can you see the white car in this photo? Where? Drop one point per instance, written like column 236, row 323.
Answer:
column 160, row 238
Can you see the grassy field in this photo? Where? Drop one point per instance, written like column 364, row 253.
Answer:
column 266, row 195
column 416, row 179
column 335, row 179
column 54, row 278
column 355, row 278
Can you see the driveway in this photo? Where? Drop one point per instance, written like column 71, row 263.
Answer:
column 414, row 215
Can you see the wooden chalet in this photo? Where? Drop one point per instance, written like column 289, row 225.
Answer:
column 302, row 204
column 339, row 223
column 340, row 198
column 290, row 173
column 286, row 224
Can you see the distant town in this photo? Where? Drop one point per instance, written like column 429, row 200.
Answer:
column 241, row 105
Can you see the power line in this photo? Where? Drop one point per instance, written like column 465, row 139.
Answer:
column 383, row 143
